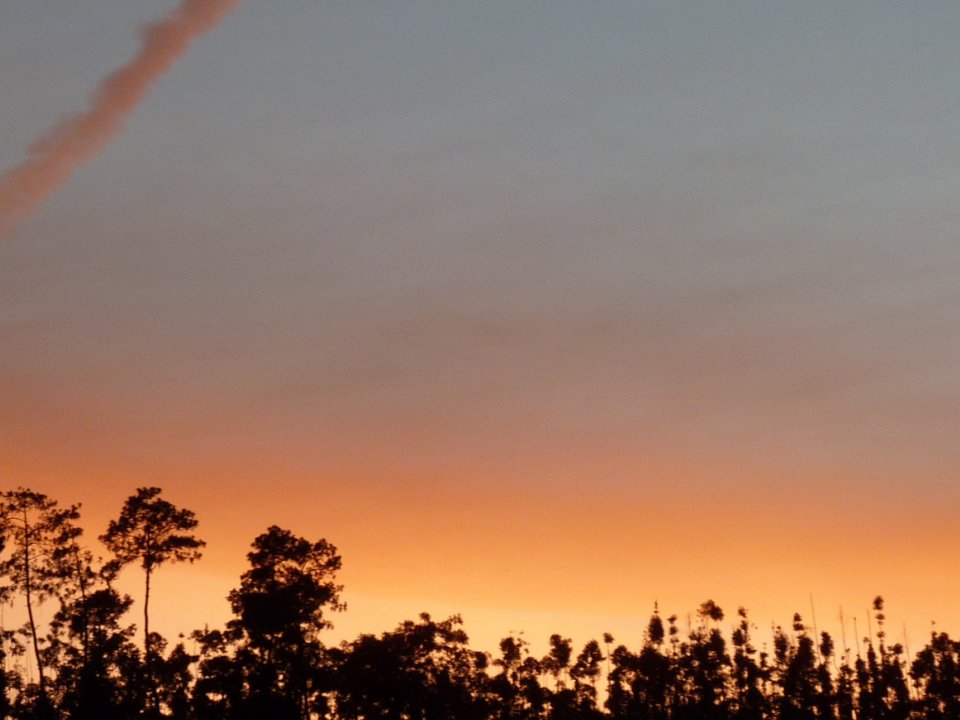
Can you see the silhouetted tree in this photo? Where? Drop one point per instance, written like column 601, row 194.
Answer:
column 96, row 665
column 516, row 689
column 845, row 691
column 5, row 677
column 749, row 675
column 220, row 688
column 936, row 673
column 703, row 667
column 173, row 678
column 826, row 700
column 271, row 650
column 269, row 662
column 797, row 673
column 641, row 685
column 99, row 667
column 151, row 531
column 887, row 678
column 585, row 674
column 37, row 531
column 555, row 665
column 421, row 670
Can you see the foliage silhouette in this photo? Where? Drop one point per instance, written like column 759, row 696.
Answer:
column 269, row 662
column 41, row 536
column 420, row 670
column 151, row 531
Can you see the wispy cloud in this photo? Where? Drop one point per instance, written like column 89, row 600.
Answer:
column 80, row 138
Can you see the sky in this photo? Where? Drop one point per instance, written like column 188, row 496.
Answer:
column 542, row 312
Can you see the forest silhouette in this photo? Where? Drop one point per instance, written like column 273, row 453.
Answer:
column 270, row 662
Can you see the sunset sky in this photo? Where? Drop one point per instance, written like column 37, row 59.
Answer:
column 539, row 311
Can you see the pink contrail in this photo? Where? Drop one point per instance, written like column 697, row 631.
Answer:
column 80, row 138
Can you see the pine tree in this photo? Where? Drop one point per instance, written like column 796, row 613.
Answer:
column 152, row 532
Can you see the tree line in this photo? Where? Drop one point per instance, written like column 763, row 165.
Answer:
column 269, row 662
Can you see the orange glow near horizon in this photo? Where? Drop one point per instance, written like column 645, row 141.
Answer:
column 518, row 558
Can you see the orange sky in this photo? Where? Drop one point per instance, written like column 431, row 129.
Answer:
column 580, row 563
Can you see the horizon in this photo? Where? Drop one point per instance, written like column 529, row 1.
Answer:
column 485, row 624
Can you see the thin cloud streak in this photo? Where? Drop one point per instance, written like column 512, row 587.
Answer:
column 79, row 139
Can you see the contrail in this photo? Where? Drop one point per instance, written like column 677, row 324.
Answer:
column 80, row 138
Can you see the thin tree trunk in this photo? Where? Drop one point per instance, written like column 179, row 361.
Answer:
column 82, row 583
column 146, row 619
column 147, row 651
column 29, row 599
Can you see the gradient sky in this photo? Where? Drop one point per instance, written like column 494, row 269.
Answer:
column 539, row 310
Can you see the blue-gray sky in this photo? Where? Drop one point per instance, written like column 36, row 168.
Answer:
column 430, row 254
